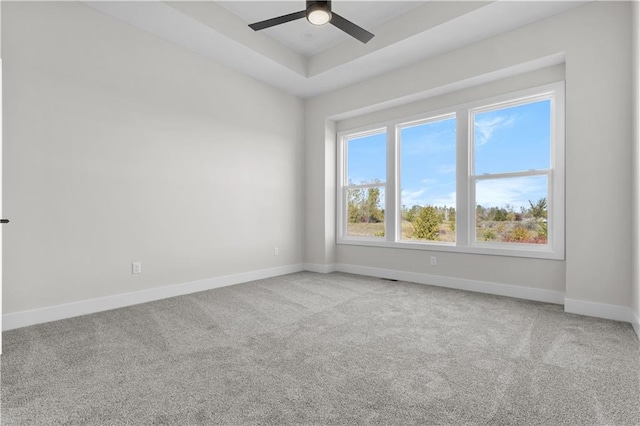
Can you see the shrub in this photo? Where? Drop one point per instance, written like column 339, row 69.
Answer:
column 426, row 225
column 542, row 232
column 489, row 234
column 519, row 234
column 500, row 215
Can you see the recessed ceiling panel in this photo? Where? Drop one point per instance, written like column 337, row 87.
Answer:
column 414, row 32
column 308, row 39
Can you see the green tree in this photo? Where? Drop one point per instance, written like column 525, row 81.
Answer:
column 372, row 211
column 452, row 218
column 539, row 213
column 363, row 204
column 356, row 198
column 500, row 215
column 481, row 212
column 413, row 212
column 426, row 225
column 539, row 209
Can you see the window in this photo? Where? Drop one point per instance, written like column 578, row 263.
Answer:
column 511, row 171
column 428, row 180
column 483, row 177
column 366, row 170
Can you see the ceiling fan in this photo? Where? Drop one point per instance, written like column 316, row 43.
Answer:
column 318, row 13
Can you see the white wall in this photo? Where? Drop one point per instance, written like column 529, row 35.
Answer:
column 636, row 169
column 1, row 177
column 121, row 147
column 595, row 42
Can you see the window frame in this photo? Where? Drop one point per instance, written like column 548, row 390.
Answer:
column 465, row 179
column 432, row 117
column 343, row 176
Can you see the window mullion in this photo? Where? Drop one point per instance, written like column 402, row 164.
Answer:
column 341, row 204
column 556, row 212
column 391, row 196
column 463, row 209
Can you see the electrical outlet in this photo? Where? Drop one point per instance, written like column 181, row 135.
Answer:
column 434, row 261
column 275, row 251
column 136, row 268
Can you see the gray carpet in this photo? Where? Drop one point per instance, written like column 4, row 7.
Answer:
column 324, row 349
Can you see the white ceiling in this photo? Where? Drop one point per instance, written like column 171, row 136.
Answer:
column 307, row 66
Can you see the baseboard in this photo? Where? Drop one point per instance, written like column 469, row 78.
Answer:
column 69, row 310
column 322, row 269
column 518, row 292
column 600, row 310
column 636, row 323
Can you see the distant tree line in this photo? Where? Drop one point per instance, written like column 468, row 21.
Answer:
column 364, row 205
column 528, row 225
column 508, row 213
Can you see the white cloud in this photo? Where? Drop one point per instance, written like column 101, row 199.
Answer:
column 515, row 191
column 448, row 200
column 422, row 197
column 412, row 198
column 431, row 142
column 486, row 127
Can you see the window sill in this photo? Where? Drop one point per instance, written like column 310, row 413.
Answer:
column 536, row 252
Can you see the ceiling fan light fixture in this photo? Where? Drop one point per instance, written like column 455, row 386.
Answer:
column 318, row 14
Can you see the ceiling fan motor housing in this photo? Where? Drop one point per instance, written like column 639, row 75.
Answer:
column 318, row 12
column 326, row 3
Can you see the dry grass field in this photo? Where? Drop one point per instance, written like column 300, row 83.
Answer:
column 377, row 230
column 486, row 231
column 365, row 229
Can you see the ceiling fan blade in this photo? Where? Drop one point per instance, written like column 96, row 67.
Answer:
column 350, row 28
column 277, row 21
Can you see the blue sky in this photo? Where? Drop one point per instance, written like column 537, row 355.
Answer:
column 506, row 140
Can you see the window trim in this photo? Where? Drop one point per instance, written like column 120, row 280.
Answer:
column 343, row 161
column 435, row 116
column 465, row 186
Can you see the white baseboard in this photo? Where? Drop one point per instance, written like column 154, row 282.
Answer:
column 322, row 269
column 519, row 292
column 74, row 309
column 599, row 310
column 636, row 323
column 69, row 310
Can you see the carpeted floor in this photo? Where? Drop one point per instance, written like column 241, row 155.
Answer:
column 324, row 349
